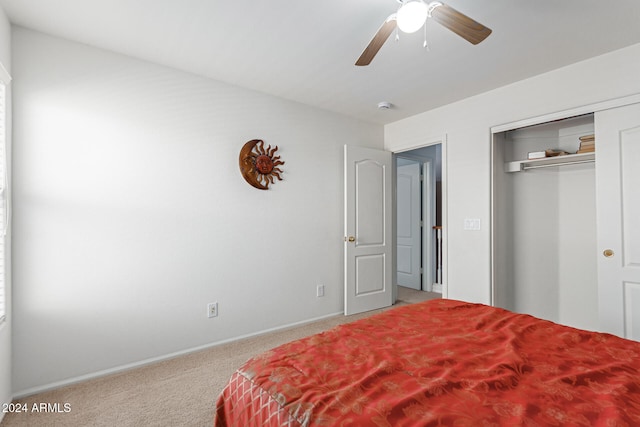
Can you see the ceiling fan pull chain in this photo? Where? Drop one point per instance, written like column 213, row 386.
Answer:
column 397, row 30
column 424, row 44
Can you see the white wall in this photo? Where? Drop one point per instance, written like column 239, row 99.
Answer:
column 5, row 329
column 467, row 125
column 130, row 213
column 578, row 295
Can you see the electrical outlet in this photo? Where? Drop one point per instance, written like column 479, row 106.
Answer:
column 320, row 291
column 212, row 309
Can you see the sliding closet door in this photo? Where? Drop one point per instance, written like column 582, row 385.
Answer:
column 618, row 204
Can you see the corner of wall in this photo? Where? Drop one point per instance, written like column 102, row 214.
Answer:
column 5, row 329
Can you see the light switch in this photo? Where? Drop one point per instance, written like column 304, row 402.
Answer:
column 472, row 224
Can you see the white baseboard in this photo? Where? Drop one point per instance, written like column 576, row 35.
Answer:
column 127, row 367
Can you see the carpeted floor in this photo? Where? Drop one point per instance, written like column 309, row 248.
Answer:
column 411, row 296
column 177, row 392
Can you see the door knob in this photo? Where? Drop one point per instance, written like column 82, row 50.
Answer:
column 608, row 253
column 352, row 239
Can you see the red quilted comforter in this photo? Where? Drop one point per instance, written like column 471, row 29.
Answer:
column 441, row 362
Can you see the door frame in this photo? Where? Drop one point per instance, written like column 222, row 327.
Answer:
column 442, row 140
column 497, row 166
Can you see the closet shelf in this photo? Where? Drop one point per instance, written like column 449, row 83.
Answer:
column 569, row 159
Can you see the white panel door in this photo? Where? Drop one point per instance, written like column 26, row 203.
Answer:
column 618, row 213
column 368, row 235
column 409, row 232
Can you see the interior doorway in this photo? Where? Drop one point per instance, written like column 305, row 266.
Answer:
column 419, row 213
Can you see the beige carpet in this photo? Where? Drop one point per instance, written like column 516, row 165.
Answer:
column 411, row 296
column 176, row 392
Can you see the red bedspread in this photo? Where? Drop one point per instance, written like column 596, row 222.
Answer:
column 442, row 362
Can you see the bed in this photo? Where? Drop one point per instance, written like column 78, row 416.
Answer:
column 441, row 362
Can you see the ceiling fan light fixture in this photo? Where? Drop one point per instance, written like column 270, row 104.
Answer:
column 412, row 15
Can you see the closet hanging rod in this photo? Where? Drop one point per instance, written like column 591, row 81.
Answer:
column 525, row 167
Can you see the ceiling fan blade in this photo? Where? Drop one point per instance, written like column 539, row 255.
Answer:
column 470, row 30
column 377, row 41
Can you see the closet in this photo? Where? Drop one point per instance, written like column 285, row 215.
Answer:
column 547, row 223
column 566, row 228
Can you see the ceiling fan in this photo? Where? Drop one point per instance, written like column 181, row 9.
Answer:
column 413, row 14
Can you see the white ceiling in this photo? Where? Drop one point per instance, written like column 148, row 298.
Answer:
column 305, row 50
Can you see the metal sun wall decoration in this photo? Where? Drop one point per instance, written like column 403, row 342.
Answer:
column 259, row 165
